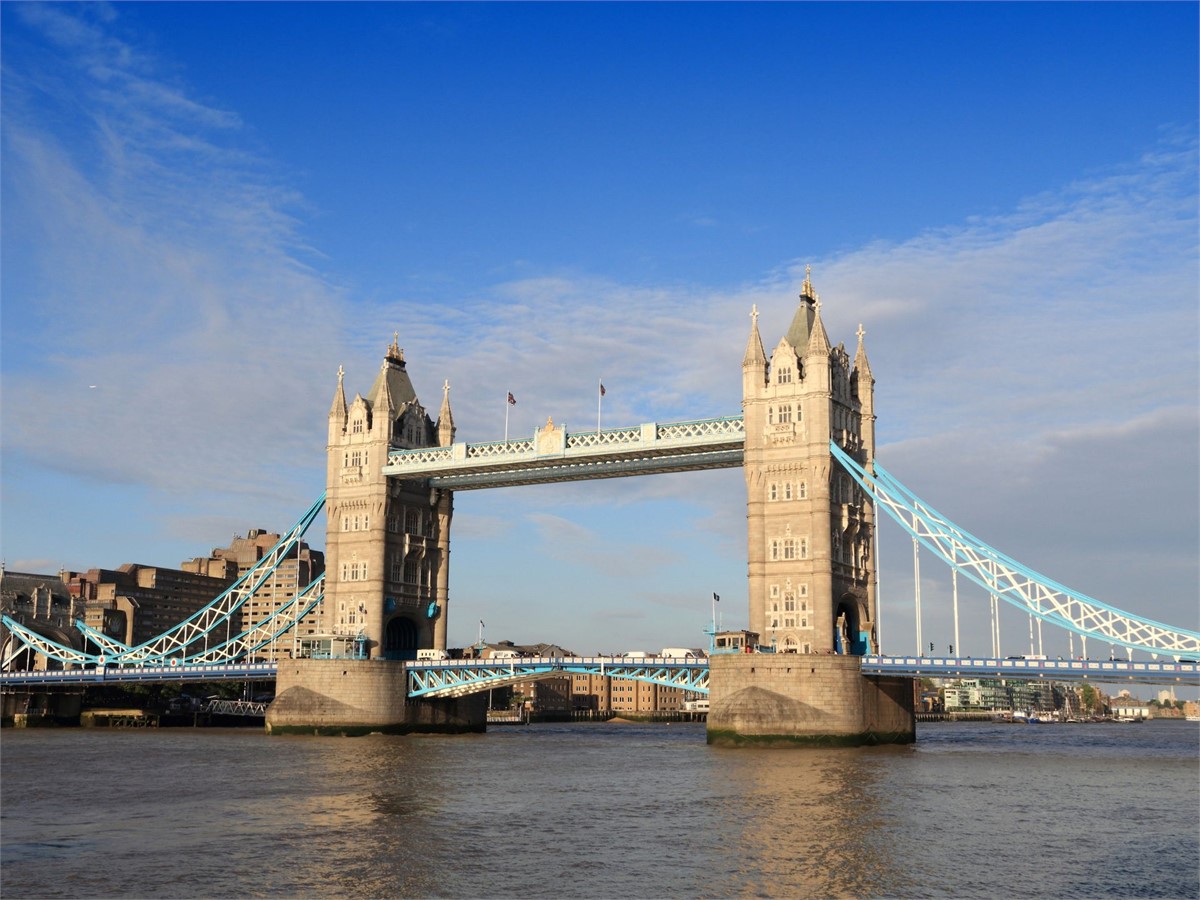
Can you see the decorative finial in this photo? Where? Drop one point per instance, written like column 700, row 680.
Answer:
column 861, row 331
column 341, row 375
column 446, row 388
column 394, row 351
column 806, row 289
column 754, row 315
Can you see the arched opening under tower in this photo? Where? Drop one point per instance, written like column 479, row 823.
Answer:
column 400, row 639
column 847, row 631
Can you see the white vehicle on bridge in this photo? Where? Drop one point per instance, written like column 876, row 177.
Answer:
column 433, row 655
column 680, row 653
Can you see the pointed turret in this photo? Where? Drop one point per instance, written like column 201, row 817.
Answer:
column 861, row 366
column 445, row 422
column 818, row 339
column 755, row 355
column 754, row 363
column 337, row 411
column 863, row 385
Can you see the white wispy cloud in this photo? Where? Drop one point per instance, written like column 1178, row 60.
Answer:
column 157, row 253
column 164, row 264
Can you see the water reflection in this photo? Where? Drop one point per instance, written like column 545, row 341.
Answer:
column 811, row 823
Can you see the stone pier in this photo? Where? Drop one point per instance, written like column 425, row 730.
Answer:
column 794, row 700
column 363, row 696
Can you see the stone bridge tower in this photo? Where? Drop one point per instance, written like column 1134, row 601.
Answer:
column 810, row 533
column 387, row 541
column 810, row 527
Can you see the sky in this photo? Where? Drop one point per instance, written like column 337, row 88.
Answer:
column 208, row 208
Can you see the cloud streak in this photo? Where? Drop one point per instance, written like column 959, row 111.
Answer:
column 157, row 253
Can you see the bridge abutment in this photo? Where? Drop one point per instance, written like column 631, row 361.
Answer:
column 359, row 696
column 799, row 700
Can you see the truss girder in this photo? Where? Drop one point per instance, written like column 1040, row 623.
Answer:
column 565, row 456
column 180, row 641
column 1011, row 581
column 457, row 678
column 1019, row 669
column 21, row 638
column 191, row 640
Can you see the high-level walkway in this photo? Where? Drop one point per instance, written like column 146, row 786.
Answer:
column 554, row 454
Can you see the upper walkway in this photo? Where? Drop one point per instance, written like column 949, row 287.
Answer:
column 554, row 454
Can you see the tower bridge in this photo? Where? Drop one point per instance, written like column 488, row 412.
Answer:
column 805, row 440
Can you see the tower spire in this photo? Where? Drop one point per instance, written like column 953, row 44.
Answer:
column 755, row 355
column 445, row 422
column 338, row 408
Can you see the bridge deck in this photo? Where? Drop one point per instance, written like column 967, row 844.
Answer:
column 1104, row 671
column 448, row 678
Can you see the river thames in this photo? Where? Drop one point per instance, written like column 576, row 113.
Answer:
column 601, row 810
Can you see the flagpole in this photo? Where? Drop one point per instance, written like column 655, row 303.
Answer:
column 599, row 400
column 506, row 406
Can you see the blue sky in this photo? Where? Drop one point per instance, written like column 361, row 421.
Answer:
column 207, row 208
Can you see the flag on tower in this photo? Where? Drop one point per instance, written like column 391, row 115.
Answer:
column 716, row 598
column 512, row 401
column 602, row 390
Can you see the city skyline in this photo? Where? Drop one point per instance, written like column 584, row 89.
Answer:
column 539, row 197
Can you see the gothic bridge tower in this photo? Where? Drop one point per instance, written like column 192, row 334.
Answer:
column 387, row 541
column 810, row 541
column 811, row 529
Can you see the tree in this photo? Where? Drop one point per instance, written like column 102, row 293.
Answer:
column 1089, row 698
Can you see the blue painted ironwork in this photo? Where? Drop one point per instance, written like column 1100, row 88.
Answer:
column 143, row 674
column 199, row 638
column 458, row 677
column 1029, row 669
column 1011, row 581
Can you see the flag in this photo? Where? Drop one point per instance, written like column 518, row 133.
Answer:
column 716, row 598
column 512, row 401
column 481, row 623
column 602, row 390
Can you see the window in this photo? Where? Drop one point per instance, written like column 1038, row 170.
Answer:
column 770, row 415
column 785, row 414
column 787, row 491
column 789, row 604
column 357, row 426
column 804, row 548
column 774, row 590
column 785, row 375
column 804, row 490
column 773, row 492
